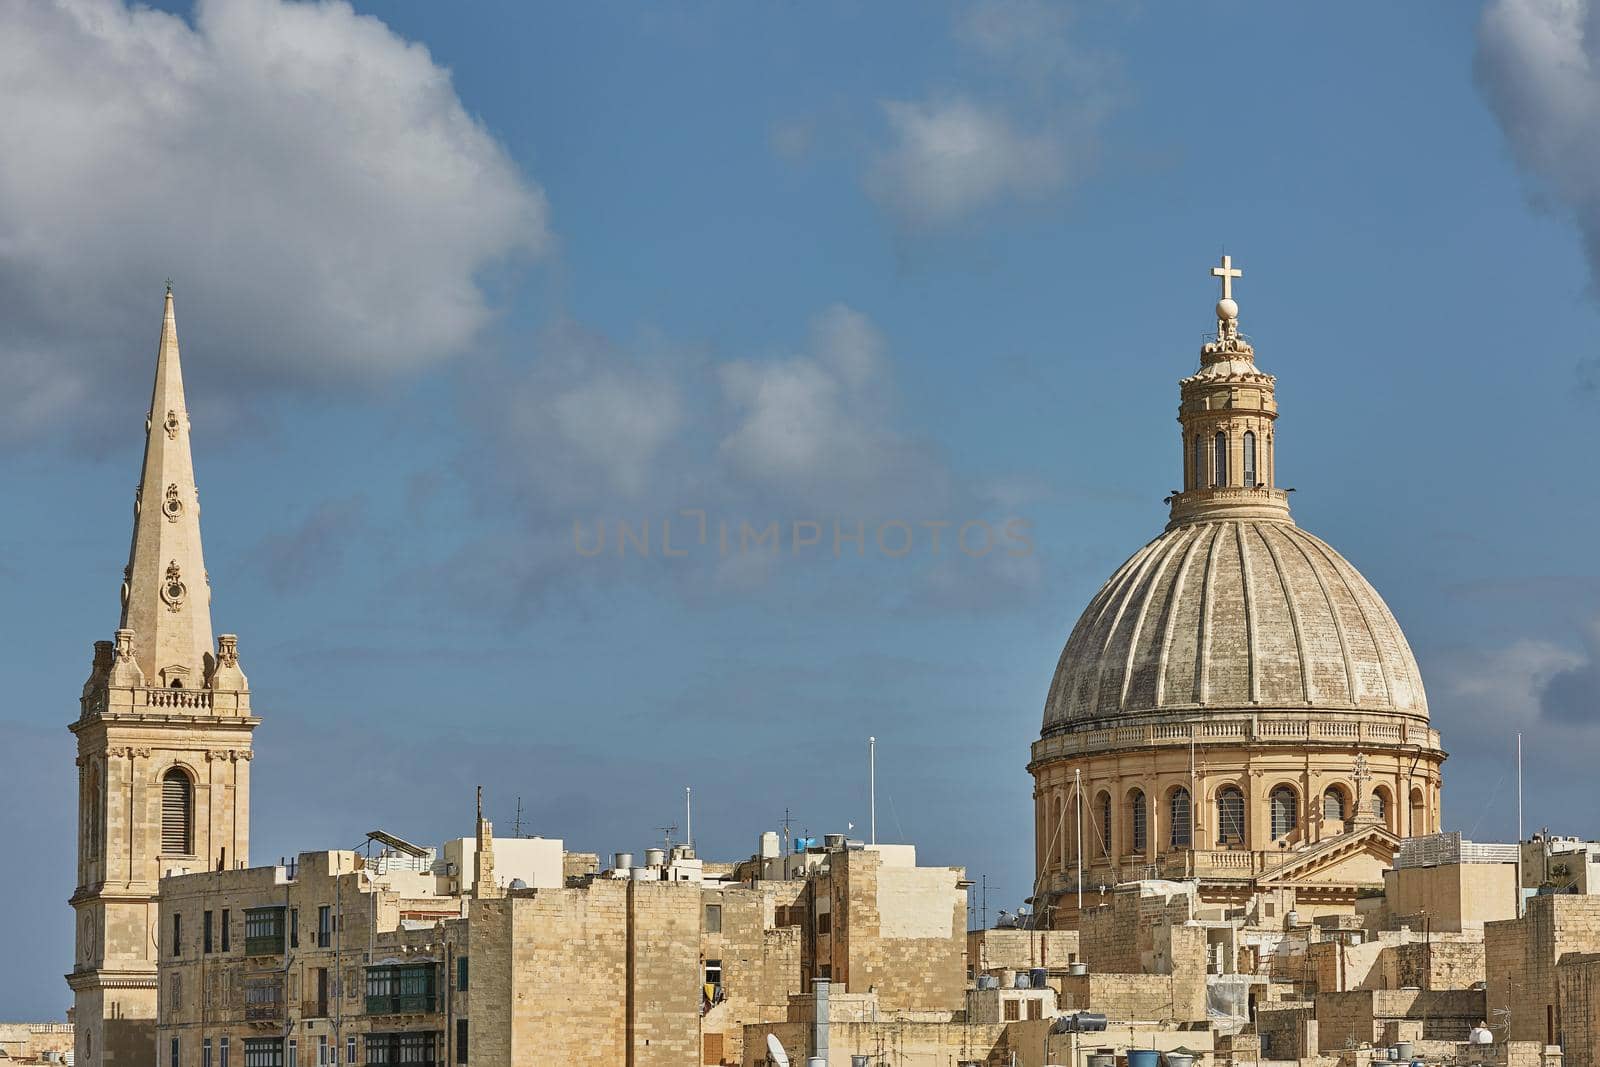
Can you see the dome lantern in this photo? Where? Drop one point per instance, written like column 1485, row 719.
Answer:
column 1227, row 409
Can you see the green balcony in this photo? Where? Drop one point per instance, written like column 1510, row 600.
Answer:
column 403, row 1004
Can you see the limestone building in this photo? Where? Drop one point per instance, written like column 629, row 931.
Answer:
column 163, row 733
column 340, row 958
column 1237, row 704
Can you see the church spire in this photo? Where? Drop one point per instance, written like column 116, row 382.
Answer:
column 166, row 597
column 1228, row 410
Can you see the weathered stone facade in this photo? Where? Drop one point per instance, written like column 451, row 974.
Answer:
column 1523, row 956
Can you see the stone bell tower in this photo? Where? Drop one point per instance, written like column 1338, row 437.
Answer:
column 163, row 745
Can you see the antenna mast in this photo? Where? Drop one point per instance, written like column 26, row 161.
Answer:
column 872, row 784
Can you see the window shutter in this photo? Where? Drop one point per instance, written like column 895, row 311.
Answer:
column 177, row 813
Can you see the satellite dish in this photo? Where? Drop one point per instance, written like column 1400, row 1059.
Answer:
column 775, row 1051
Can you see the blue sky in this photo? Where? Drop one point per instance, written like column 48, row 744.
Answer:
column 452, row 281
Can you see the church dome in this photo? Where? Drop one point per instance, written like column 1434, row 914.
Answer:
column 1237, row 615
column 1234, row 607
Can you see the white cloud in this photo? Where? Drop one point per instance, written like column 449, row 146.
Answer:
column 818, row 428
column 1023, row 124
column 946, row 159
column 587, row 421
column 1538, row 64
column 311, row 181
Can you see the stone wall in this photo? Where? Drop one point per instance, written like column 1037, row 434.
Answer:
column 761, row 965
column 1020, row 950
column 897, row 929
column 1578, row 983
column 906, row 1043
column 1521, row 956
column 1383, row 1016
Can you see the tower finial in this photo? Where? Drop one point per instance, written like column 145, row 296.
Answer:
column 1228, row 340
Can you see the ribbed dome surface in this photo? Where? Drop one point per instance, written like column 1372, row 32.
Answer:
column 1234, row 615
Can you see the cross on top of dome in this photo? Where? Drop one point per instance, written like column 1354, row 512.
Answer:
column 1227, row 272
column 1228, row 339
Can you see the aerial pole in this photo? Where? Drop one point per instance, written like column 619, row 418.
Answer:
column 688, row 816
column 872, row 785
column 1077, row 800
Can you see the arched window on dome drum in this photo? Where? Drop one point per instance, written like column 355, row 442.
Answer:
column 1333, row 804
column 1419, row 821
column 1138, row 822
column 1230, row 816
column 1249, row 460
column 1285, row 811
column 1380, row 805
column 1103, row 831
column 1220, row 472
column 177, row 814
column 1199, row 451
column 1181, row 826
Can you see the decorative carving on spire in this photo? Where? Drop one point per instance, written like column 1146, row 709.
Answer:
column 173, row 590
column 173, row 507
column 1229, row 341
column 170, row 424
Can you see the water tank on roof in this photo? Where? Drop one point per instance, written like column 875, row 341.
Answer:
column 621, row 861
column 1022, row 981
column 833, row 841
column 655, row 857
column 1039, row 977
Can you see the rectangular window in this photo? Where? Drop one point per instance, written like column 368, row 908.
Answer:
column 222, row 1053
column 263, row 999
column 713, row 918
column 401, row 989
column 1013, row 1010
column 461, row 974
column 1035, row 1009
column 175, row 1062
column 825, row 923
column 205, row 934
column 224, row 929
column 291, row 1055
column 406, row 1048
column 324, row 926
column 323, row 1059
column 205, row 1052
column 263, row 931
column 349, row 1050
column 263, row 1052
column 294, row 927
column 322, row 993
column 177, row 934
column 714, row 972
column 461, row 1041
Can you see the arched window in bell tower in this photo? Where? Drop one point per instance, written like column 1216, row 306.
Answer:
column 1199, row 457
column 1249, row 459
column 177, row 813
column 1220, row 469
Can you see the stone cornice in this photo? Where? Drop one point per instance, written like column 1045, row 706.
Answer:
column 1370, row 731
column 109, row 978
